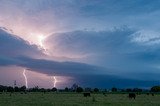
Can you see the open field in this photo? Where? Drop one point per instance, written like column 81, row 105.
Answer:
column 74, row 99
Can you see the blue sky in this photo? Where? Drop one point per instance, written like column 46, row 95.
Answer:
column 89, row 42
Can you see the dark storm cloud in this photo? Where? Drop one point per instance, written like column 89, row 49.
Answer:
column 12, row 46
column 59, row 68
column 15, row 51
column 122, row 51
column 109, row 81
column 92, row 42
column 116, row 49
column 85, row 74
column 6, row 61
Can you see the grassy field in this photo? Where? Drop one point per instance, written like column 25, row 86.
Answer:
column 74, row 99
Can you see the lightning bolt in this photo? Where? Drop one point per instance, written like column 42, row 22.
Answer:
column 54, row 81
column 25, row 77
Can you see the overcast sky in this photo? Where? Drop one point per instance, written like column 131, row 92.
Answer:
column 89, row 42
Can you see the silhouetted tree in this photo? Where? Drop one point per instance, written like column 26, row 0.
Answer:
column 16, row 89
column 79, row 89
column 128, row 90
column 137, row 90
column 66, row 89
column 114, row 89
column 23, row 88
column 48, row 90
column 35, row 89
column 54, row 89
column 96, row 90
column 3, row 88
column 10, row 89
column 88, row 89
column 155, row 89
column 42, row 90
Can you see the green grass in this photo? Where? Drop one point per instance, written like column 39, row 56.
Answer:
column 74, row 99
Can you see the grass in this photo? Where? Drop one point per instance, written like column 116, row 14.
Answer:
column 74, row 99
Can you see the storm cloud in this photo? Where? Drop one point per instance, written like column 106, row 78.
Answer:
column 12, row 45
column 91, row 41
column 122, row 50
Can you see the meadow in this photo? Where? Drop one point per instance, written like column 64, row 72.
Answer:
column 76, row 99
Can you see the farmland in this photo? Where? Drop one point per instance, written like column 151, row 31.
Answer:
column 76, row 99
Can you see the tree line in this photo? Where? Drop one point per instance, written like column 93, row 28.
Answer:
column 74, row 88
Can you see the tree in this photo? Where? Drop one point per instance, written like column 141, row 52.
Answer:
column 54, row 89
column 128, row 90
column 66, row 89
column 42, row 90
column 137, row 90
column 96, row 90
column 35, row 89
column 48, row 90
column 10, row 89
column 155, row 89
column 3, row 88
column 16, row 89
column 79, row 89
column 88, row 89
column 114, row 89
column 23, row 89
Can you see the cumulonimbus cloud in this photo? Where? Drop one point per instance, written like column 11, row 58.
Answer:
column 116, row 49
column 20, row 53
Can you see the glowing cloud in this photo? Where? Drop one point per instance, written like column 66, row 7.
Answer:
column 40, row 39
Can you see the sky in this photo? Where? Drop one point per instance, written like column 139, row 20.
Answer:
column 94, row 43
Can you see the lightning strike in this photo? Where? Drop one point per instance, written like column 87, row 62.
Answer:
column 25, row 77
column 54, row 81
